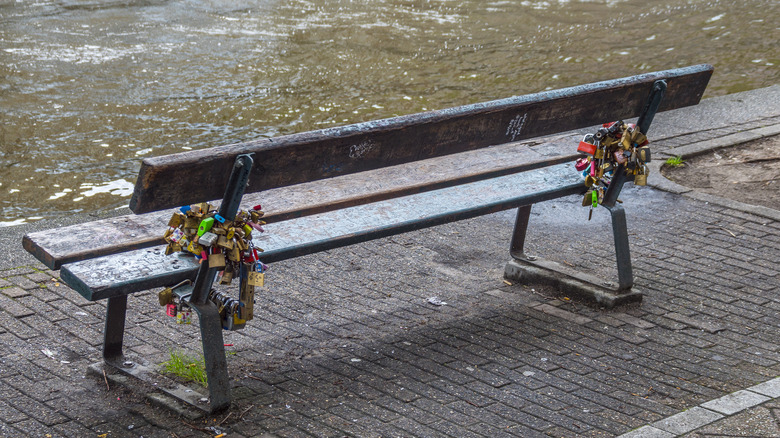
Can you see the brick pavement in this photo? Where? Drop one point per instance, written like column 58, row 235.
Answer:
column 345, row 342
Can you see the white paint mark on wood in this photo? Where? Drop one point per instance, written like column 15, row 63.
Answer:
column 516, row 126
column 361, row 149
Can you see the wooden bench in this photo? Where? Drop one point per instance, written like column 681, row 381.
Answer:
column 319, row 193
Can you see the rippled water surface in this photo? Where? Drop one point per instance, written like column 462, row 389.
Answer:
column 88, row 88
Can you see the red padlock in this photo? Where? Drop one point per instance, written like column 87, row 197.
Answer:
column 587, row 148
column 581, row 164
column 170, row 310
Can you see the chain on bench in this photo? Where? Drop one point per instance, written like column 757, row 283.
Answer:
column 613, row 145
column 227, row 245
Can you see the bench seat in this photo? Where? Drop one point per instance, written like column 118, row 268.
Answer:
column 142, row 269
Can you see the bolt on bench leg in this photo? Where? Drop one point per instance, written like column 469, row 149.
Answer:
column 115, row 327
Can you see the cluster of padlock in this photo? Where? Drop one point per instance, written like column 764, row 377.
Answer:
column 175, row 305
column 614, row 144
column 227, row 246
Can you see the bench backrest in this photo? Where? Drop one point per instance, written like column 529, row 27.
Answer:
column 195, row 176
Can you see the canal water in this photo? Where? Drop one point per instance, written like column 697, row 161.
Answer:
column 88, row 88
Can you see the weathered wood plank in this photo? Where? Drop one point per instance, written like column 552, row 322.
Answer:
column 189, row 177
column 149, row 268
column 124, row 233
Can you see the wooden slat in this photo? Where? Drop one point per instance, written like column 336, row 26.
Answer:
column 194, row 176
column 149, row 268
column 125, row 233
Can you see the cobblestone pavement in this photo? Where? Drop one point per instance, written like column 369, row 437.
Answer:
column 345, row 343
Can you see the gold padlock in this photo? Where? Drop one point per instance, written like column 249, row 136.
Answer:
column 165, row 296
column 625, row 142
column 640, row 179
column 589, row 181
column 223, row 242
column 176, row 220
column 643, row 154
column 191, row 222
column 194, row 248
column 227, row 277
column 588, row 199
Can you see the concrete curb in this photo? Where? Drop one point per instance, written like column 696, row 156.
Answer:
column 660, row 182
column 710, row 412
column 703, row 147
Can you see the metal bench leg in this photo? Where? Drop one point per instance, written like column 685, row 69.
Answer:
column 214, row 354
column 622, row 250
column 115, row 327
column 518, row 235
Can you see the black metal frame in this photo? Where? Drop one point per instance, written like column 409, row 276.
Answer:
column 618, row 215
column 208, row 315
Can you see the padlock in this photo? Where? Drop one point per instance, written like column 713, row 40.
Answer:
column 640, row 179
column 227, row 277
column 599, row 154
column 587, row 199
column 176, row 236
column 581, row 164
column 639, row 139
column 587, row 148
column 643, row 154
column 170, row 310
column 176, row 220
column 165, row 296
column 205, row 225
column 194, row 248
column 620, row 158
column 224, row 242
column 208, row 239
column 217, row 260
column 589, row 181
column 191, row 222
column 247, row 308
column 256, row 279
column 234, row 255
column 184, row 316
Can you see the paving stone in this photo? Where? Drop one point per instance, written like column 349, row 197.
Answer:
column 687, row 421
column 14, row 292
column 770, row 388
column 22, row 281
column 14, row 308
column 737, row 401
column 647, row 432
